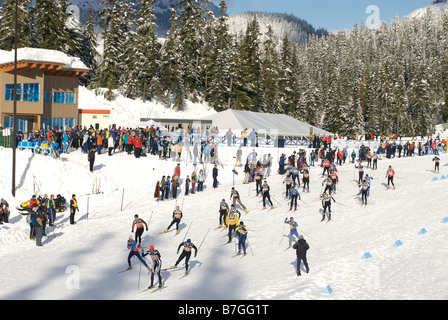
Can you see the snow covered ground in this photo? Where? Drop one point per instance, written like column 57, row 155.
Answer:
column 83, row 261
column 128, row 112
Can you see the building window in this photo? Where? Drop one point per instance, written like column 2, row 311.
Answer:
column 70, row 97
column 9, row 92
column 60, row 123
column 59, row 97
column 31, row 92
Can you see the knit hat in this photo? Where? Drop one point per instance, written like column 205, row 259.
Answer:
column 151, row 247
column 188, row 241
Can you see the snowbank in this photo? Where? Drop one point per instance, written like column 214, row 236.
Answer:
column 128, row 112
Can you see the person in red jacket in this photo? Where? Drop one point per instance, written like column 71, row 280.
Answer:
column 34, row 202
column 390, row 177
column 130, row 142
column 177, row 170
column 138, row 145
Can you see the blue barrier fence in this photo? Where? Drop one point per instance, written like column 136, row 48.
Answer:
column 37, row 147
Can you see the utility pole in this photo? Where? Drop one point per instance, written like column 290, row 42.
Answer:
column 14, row 126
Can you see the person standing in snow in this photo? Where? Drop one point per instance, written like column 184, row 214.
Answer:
column 201, row 179
column 91, row 158
column 215, row 176
column 301, row 247
column 110, row 144
column 73, row 208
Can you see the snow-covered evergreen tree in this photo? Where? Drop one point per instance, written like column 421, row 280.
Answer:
column 7, row 24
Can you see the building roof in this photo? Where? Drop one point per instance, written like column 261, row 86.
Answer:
column 281, row 123
column 52, row 62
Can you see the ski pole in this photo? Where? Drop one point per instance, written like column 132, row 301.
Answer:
column 276, row 201
column 139, row 273
column 250, row 247
column 305, row 202
column 187, row 231
column 203, row 239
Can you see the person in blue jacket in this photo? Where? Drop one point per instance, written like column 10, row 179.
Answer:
column 134, row 247
column 281, row 164
column 292, row 229
column 51, row 210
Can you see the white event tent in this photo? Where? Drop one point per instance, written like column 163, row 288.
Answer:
column 281, row 124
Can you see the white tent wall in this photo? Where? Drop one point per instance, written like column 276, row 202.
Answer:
column 281, row 124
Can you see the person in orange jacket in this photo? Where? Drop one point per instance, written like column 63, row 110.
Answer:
column 99, row 143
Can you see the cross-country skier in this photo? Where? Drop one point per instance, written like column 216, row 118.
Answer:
column 292, row 229
column 288, row 182
column 301, row 248
column 134, row 247
column 177, row 216
column 156, row 265
column 186, row 253
column 266, row 195
column 334, row 179
column 328, row 184
column 360, row 168
column 140, row 225
column 241, row 232
column 390, row 177
column 306, row 179
column 294, row 195
column 223, row 212
column 375, row 161
column 436, row 163
column 236, row 198
column 231, row 222
column 326, row 203
column 364, row 191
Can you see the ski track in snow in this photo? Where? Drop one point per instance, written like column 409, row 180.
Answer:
column 83, row 261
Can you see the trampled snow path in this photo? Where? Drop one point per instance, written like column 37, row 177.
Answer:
column 83, row 261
